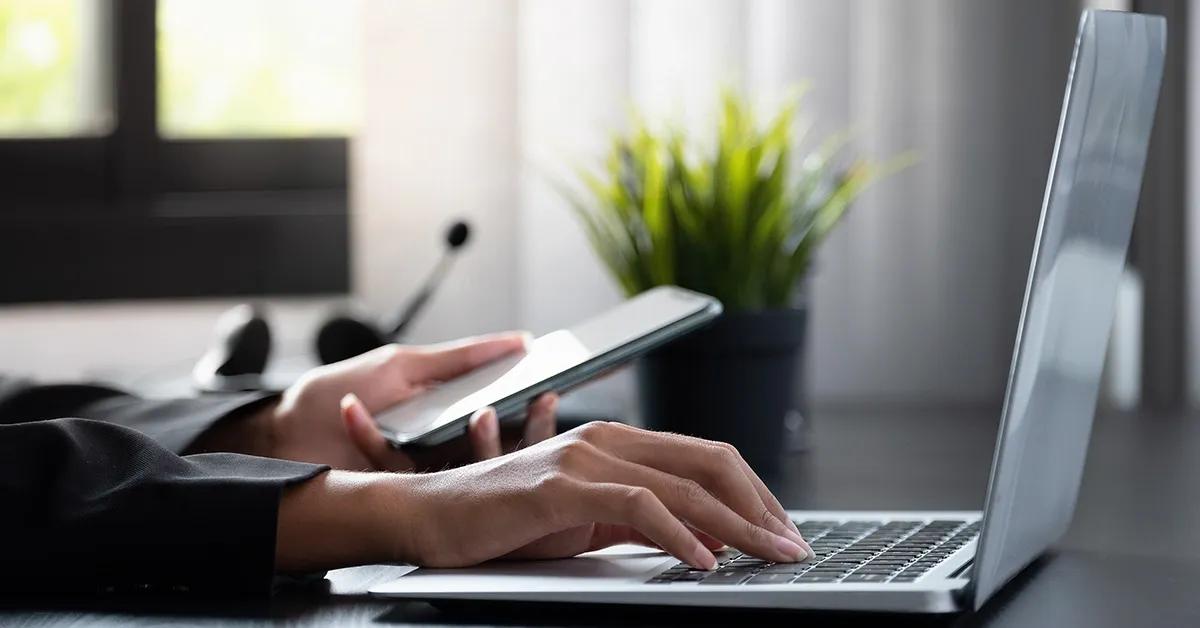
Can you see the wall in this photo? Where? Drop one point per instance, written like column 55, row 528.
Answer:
column 438, row 144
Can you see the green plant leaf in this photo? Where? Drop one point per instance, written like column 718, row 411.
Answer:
column 736, row 219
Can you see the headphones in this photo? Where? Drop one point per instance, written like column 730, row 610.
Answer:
column 241, row 346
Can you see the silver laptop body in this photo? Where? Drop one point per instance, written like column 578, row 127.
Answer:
column 941, row 561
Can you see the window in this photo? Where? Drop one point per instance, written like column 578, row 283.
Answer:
column 174, row 148
column 258, row 79
column 49, row 75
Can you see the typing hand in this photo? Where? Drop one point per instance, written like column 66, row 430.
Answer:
column 324, row 417
column 598, row 485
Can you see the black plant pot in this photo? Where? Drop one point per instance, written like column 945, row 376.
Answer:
column 736, row 380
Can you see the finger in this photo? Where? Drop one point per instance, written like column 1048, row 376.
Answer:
column 639, row 508
column 755, row 482
column 688, row 500
column 445, row 361
column 541, row 423
column 724, row 473
column 483, row 431
column 716, row 466
column 606, row 535
column 766, row 495
column 367, row 438
column 713, row 544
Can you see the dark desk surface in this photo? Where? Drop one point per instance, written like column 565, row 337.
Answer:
column 1132, row 556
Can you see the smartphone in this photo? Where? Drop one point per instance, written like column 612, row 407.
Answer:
column 557, row 361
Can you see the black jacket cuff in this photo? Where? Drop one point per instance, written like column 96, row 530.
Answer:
column 92, row 506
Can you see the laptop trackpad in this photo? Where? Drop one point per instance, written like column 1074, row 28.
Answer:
column 624, row 564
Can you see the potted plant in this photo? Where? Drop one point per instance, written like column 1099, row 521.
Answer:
column 738, row 219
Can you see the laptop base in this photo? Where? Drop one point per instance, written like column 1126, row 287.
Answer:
column 619, row 575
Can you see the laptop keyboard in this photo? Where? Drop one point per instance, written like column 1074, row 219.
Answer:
column 851, row 551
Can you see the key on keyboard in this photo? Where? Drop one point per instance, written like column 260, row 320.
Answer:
column 851, row 551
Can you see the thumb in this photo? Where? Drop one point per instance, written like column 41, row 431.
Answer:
column 366, row 437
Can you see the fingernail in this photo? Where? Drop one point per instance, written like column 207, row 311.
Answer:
column 352, row 406
column 487, row 427
column 808, row 550
column 790, row 534
column 793, row 551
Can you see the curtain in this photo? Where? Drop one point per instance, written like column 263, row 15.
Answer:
column 476, row 108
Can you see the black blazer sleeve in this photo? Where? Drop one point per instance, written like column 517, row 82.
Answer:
column 173, row 423
column 89, row 505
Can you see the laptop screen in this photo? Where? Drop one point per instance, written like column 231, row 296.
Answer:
column 1087, row 216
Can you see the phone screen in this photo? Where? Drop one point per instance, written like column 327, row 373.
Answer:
column 543, row 359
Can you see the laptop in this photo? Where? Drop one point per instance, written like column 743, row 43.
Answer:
column 939, row 561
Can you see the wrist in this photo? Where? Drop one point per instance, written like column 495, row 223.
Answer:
column 339, row 519
column 251, row 430
column 395, row 517
column 262, row 431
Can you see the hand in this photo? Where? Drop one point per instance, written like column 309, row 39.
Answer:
column 306, row 424
column 484, row 439
column 598, row 485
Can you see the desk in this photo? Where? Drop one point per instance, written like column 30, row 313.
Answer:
column 1132, row 556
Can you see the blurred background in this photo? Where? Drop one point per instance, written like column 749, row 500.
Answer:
column 163, row 161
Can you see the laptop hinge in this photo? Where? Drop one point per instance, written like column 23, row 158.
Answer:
column 962, row 571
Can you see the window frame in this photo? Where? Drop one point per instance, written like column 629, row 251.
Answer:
column 134, row 215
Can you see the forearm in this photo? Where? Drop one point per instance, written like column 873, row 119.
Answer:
column 342, row 518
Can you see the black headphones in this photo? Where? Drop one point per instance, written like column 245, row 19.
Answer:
column 242, row 342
